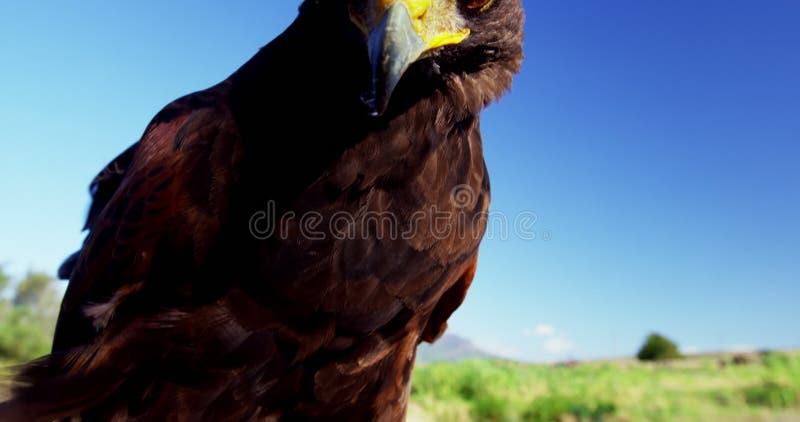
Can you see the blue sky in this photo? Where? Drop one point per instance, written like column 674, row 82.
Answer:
column 657, row 142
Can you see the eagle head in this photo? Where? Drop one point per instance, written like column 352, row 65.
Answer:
column 472, row 47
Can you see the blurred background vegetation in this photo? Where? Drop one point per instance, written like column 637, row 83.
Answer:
column 28, row 311
column 761, row 386
column 456, row 382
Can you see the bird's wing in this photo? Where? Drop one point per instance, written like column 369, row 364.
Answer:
column 163, row 194
column 152, row 226
column 102, row 188
column 108, row 180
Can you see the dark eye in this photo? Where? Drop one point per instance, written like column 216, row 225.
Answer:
column 477, row 5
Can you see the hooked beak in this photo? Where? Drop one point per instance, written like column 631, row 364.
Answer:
column 393, row 46
column 403, row 30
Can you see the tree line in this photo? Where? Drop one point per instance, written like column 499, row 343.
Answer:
column 28, row 312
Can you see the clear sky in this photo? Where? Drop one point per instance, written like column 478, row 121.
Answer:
column 658, row 142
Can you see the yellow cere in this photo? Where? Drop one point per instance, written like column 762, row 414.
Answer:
column 416, row 8
column 438, row 22
column 447, row 39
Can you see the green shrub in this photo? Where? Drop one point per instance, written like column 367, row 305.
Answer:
column 604, row 410
column 775, row 360
column 468, row 380
column 772, row 395
column 27, row 322
column 547, row 409
column 471, row 385
column 23, row 333
column 490, row 408
column 556, row 408
column 724, row 398
column 658, row 348
column 4, row 279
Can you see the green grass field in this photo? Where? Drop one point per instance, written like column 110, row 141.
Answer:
column 766, row 387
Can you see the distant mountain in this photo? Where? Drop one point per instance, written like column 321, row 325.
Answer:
column 450, row 348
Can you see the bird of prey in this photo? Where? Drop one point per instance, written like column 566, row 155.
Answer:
column 275, row 247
